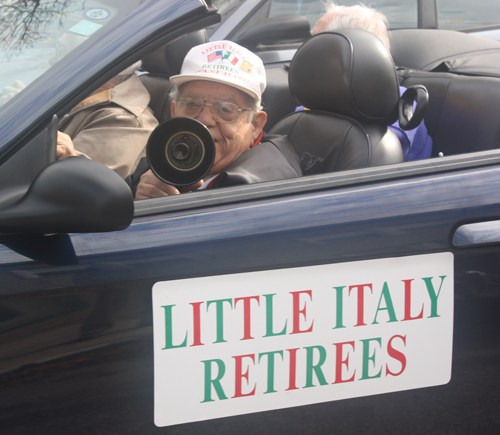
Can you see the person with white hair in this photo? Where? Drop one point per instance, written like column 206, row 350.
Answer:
column 111, row 126
column 354, row 17
column 221, row 86
column 416, row 143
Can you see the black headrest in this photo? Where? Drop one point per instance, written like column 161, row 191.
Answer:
column 167, row 60
column 348, row 72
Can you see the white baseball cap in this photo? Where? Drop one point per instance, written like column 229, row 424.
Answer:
column 224, row 62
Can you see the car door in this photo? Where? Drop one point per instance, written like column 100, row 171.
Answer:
column 77, row 329
column 99, row 329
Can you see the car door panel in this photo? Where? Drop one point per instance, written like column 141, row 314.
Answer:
column 88, row 321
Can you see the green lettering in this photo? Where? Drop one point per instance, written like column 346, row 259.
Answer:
column 209, row 382
column 168, row 329
column 433, row 295
column 367, row 359
column 269, row 317
column 270, row 368
column 310, row 367
column 389, row 306
column 220, row 317
column 340, row 307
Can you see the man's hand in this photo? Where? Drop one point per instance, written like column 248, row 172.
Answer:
column 152, row 187
column 65, row 147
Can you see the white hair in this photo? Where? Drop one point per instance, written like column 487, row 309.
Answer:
column 354, row 17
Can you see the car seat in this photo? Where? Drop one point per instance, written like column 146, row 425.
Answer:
column 348, row 81
column 163, row 63
column 462, row 74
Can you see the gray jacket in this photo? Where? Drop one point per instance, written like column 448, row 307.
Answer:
column 112, row 127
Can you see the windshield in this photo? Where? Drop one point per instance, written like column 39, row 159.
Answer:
column 36, row 34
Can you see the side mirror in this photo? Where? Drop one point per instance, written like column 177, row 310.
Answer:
column 181, row 151
column 74, row 195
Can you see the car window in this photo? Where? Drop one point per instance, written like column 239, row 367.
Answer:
column 35, row 35
column 466, row 14
column 401, row 14
column 452, row 14
column 227, row 7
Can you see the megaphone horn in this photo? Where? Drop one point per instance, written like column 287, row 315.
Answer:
column 181, row 151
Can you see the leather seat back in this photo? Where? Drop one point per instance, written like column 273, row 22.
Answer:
column 348, row 81
column 163, row 63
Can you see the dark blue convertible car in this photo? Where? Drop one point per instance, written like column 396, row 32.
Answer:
column 354, row 299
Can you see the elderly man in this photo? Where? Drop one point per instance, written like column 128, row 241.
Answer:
column 416, row 143
column 221, row 85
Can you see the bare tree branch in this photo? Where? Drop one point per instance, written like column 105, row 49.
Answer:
column 23, row 22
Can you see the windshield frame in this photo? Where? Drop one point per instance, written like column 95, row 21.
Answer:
column 95, row 61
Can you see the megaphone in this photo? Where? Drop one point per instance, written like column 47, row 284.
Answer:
column 181, row 151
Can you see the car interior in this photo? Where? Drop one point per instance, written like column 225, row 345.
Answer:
column 348, row 83
column 462, row 75
column 460, row 72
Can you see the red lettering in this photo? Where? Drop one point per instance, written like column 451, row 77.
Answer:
column 196, row 324
column 397, row 355
column 238, row 376
column 339, row 362
column 297, row 312
column 361, row 301
column 292, row 382
column 247, row 315
column 408, row 302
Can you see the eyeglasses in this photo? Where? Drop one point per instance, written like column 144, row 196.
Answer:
column 222, row 111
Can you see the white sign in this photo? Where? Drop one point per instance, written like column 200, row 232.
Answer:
column 236, row 344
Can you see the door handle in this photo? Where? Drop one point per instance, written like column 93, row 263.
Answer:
column 477, row 234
